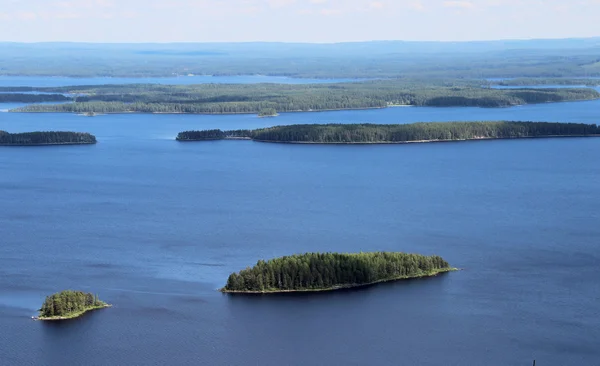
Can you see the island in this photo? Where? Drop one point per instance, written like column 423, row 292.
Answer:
column 270, row 99
column 316, row 272
column 399, row 133
column 46, row 138
column 69, row 304
column 268, row 112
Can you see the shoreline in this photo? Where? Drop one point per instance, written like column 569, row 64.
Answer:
column 341, row 287
column 202, row 113
column 392, row 142
column 74, row 315
column 13, row 110
column 52, row 144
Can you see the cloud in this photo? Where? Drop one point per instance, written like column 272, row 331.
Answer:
column 459, row 4
column 293, row 20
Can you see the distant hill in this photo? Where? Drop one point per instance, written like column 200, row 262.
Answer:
column 504, row 58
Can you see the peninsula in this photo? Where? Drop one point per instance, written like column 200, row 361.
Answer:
column 46, row 138
column 69, row 304
column 315, row 272
column 399, row 133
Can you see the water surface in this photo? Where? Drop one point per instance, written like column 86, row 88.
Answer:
column 155, row 226
column 57, row 81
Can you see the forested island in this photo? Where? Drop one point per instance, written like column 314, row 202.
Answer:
column 69, row 304
column 399, row 133
column 312, row 272
column 46, row 138
column 268, row 112
column 268, row 99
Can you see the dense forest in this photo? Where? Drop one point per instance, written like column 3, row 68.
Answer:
column 372, row 133
column 201, row 135
column 254, row 98
column 69, row 304
column 547, row 81
column 32, row 98
column 46, row 138
column 267, row 112
column 321, row 271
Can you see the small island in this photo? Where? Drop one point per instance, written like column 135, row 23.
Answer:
column 399, row 133
column 268, row 112
column 46, row 138
column 316, row 272
column 69, row 304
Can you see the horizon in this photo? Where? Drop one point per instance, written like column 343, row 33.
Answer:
column 293, row 21
column 310, row 43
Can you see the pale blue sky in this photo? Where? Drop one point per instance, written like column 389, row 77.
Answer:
column 294, row 20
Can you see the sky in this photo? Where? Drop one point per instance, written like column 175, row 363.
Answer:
column 318, row 21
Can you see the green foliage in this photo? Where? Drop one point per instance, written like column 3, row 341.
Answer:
column 201, row 135
column 267, row 112
column 32, row 98
column 46, row 138
column 68, row 302
column 547, row 81
column 269, row 98
column 430, row 131
column 213, row 135
column 330, row 270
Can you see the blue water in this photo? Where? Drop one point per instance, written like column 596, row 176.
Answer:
column 56, row 81
column 155, row 226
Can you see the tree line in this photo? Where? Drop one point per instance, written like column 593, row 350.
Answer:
column 313, row 271
column 547, row 81
column 258, row 98
column 32, row 98
column 68, row 302
column 373, row 133
column 46, row 138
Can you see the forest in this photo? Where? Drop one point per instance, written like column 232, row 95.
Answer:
column 201, row 135
column 547, row 81
column 398, row 133
column 46, row 138
column 254, row 98
column 69, row 304
column 267, row 112
column 32, row 98
column 329, row 271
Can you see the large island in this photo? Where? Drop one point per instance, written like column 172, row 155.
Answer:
column 401, row 133
column 69, row 304
column 46, row 138
column 315, row 272
column 269, row 99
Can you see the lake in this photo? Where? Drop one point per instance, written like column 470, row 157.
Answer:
column 155, row 227
column 57, row 81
